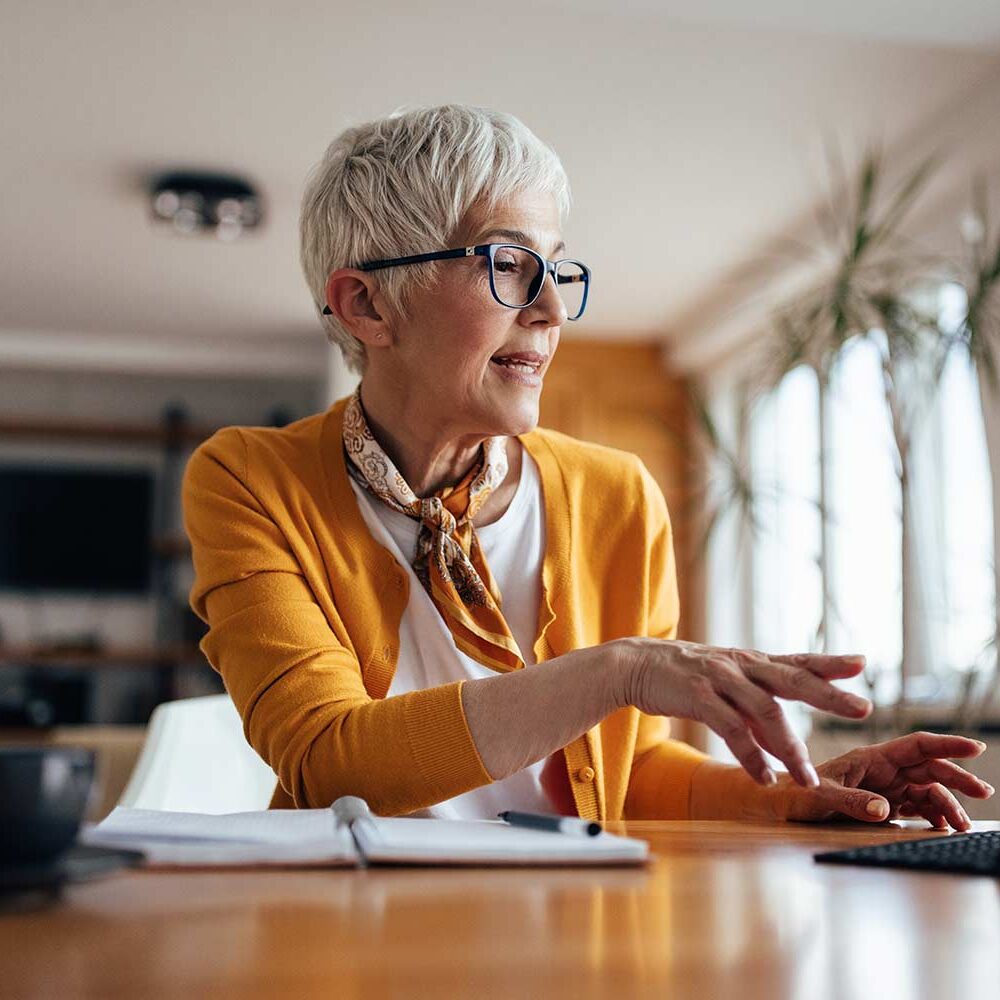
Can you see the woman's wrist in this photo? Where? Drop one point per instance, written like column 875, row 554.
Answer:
column 726, row 791
column 611, row 672
column 627, row 671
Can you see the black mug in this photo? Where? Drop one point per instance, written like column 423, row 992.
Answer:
column 44, row 791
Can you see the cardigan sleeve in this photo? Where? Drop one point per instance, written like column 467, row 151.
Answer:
column 662, row 768
column 297, row 686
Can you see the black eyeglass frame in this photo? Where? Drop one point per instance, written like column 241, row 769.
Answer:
column 489, row 250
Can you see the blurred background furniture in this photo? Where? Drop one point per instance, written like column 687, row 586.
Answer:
column 196, row 759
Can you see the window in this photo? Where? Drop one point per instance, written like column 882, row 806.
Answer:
column 951, row 579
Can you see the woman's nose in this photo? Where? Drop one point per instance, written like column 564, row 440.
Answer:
column 549, row 306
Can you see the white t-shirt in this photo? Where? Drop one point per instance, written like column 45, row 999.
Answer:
column 513, row 547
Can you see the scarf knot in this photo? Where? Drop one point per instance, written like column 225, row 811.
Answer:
column 436, row 517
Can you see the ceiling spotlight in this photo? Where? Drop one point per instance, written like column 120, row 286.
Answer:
column 219, row 204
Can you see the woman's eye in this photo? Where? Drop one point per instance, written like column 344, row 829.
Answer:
column 506, row 265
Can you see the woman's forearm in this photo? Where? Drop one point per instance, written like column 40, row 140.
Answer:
column 518, row 718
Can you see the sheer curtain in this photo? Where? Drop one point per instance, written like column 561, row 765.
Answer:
column 784, row 456
column 763, row 576
column 963, row 493
column 864, row 515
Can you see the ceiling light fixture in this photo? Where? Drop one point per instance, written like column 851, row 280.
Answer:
column 220, row 204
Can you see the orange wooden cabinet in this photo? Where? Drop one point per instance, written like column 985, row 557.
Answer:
column 621, row 394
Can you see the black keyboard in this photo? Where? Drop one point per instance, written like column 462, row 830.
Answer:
column 961, row 853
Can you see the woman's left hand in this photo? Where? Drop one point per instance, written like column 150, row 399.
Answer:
column 904, row 777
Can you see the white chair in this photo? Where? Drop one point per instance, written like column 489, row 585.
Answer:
column 196, row 759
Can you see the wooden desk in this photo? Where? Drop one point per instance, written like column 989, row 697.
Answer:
column 724, row 911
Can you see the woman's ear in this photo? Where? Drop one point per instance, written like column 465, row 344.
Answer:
column 354, row 297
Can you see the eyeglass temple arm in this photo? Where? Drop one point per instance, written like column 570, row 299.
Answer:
column 418, row 258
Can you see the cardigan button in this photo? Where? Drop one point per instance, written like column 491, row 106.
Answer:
column 386, row 650
column 585, row 774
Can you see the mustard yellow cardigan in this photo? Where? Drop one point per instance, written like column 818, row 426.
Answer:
column 303, row 608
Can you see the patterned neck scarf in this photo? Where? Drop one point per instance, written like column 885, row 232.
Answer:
column 449, row 561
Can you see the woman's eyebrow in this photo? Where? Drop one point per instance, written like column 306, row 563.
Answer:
column 520, row 236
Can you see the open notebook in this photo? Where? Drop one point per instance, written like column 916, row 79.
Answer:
column 347, row 834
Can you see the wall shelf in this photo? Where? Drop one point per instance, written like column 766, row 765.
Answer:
column 163, row 434
column 134, row 657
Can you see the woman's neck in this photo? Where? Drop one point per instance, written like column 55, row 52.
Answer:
column 427, row 455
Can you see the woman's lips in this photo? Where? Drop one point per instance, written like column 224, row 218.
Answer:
column 515, row 368
column 531, row 358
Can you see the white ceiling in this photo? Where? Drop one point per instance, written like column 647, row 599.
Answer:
column 972, row 23
column 691, row 133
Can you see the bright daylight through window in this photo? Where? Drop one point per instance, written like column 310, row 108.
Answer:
column 952, row 588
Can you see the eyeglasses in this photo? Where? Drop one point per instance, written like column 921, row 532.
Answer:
column 517, row 274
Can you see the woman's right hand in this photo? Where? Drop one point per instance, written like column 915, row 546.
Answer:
column 733, row 692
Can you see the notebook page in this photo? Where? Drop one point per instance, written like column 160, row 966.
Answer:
column 436, row 841
column 269, row 826
column 279, row 836
column 215, row 854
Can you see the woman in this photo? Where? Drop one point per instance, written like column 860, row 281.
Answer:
column 382, row 580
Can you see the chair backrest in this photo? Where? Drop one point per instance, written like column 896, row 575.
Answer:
column 196, row 759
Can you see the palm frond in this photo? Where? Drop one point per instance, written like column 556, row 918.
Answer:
column 903, row 200
column 981, row 328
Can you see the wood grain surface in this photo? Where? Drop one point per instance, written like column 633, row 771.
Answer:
column 724, row 910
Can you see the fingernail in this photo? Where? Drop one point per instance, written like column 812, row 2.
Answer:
column 770, row 778
column 989, row 787
column 810, row 772
column 859, row 704
column 876, row 808
column 980, row 744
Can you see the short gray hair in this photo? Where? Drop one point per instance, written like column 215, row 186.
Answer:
column 403, row 184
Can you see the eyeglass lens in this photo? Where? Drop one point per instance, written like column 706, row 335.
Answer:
column 517, row 274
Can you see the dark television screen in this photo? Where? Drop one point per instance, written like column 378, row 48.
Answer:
column 76, row 530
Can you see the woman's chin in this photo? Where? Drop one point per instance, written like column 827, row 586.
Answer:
column 511, row 417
